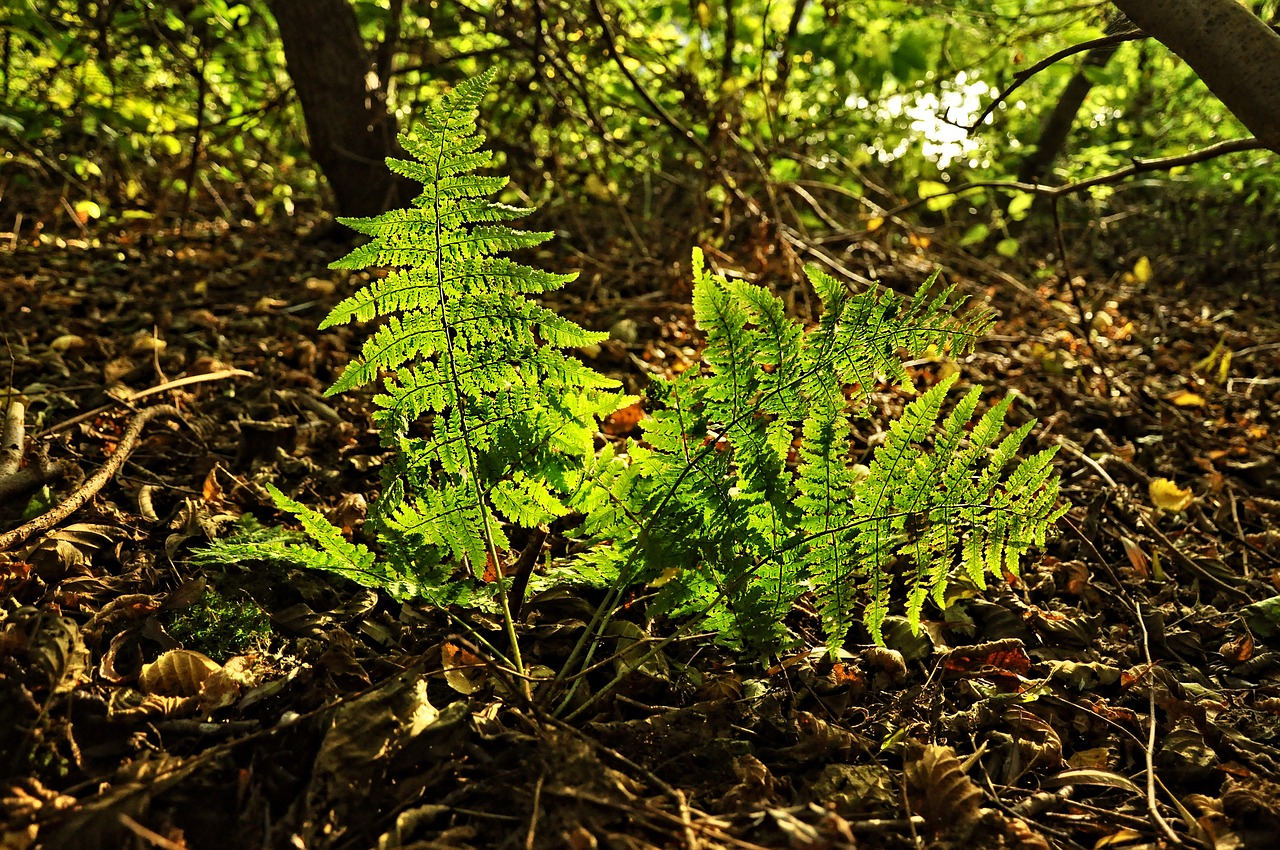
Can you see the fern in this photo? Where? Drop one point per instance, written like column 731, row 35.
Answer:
column 510, row 420
column 743, row 494
column 728, row 513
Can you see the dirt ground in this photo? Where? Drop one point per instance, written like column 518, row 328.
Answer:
column 1123, row 692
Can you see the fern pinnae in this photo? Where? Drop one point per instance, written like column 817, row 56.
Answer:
column 744, row 487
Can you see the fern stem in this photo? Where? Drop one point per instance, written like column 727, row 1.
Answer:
column 461, row 399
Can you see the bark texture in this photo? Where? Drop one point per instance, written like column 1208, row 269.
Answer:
column 343, row 102
column 1234, row 52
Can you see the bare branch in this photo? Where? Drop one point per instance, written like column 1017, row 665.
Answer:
column 1022, row 76
column 1137, row 166
column 612, row 46
column 91, row 487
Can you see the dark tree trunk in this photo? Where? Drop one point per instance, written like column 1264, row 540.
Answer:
column 343, row 103
column 1233, row 50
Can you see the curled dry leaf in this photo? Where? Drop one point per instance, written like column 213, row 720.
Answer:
column 881, row 659
column 1137, row 558
column 224, row 685
column 1038, row 742
column 1238, row 650
column 67, row 342
column 177, row 673
column 463, row 670
column 939, row 790
column 127, row 704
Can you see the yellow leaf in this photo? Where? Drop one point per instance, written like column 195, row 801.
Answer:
column 1168, row 496
column 86, row 210
column 598, row 188
column 874, row 224
column 1124, row 836
column 1186, row 398
column 1142, row 270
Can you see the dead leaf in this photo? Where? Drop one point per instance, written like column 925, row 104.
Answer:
column 938, row 789
column 1137, row 558
column 463, row 670
column 624, row 421
column 1168, row 496
column 177, row 673
column 1238, row 650
column 1185, row 398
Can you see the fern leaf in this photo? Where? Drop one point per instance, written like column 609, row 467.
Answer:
column 510, row 420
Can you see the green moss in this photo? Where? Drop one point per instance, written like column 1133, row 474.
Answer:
column 221, row 626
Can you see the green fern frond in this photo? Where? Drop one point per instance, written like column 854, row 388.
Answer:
column 510, row 419
column 332, row 552
column 744, row 492
column 935, row 495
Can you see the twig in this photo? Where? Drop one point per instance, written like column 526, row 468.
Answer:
column 159, row 388
column 153, row 838
column 1149, row 750
column 611, row 45
column 91, row 487
column 1083, row 304
column 1052, row 59
column 1183, row 558
column 1079, row 452
column 533, row 816
column 1136, row 166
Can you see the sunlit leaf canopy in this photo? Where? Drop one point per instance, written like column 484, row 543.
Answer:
column 822, row 113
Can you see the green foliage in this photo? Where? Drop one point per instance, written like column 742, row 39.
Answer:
column 221, row 626
column 102, row 100
column 827, row 109
column 744, row 492
column 748, row 492
column 511, row 419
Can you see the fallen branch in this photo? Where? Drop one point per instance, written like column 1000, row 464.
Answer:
column 90, row 487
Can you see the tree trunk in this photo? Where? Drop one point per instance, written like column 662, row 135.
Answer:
column 1233, row 50
column 343, row 103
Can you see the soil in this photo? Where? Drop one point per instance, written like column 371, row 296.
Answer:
column 1124, row 690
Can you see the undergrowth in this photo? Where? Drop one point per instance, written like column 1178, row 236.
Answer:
column 743, row 492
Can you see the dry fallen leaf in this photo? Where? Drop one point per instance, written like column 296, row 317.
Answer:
column 1185, row 398
column 1168, row 496
column 177, row 673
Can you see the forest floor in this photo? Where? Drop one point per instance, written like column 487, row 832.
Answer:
column 1123, row 692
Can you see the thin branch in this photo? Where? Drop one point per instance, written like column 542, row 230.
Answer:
column 386, row 54
column 730, row 41
column 1136, row 166
column 91, row 487
column 1053, row 58
column 1149, row 748
column 611, row 45
column 436, row 61
column 131, row 397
